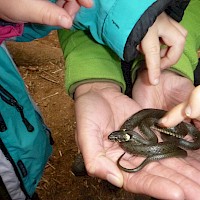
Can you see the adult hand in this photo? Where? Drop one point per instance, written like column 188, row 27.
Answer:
column 164, row 31
column 179, row 173
column 172, row 90
column 42, row 11
column 101, row 109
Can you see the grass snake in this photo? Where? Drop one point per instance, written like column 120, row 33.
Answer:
column 146, row 142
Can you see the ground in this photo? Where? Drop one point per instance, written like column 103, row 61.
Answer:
column 42, row 67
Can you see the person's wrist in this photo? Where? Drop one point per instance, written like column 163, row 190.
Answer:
column 96, row 87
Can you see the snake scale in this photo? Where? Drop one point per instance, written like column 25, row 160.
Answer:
column 146, row 142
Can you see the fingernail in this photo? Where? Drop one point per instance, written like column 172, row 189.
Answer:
column 64, row 22
column 162, row 121
column 90, row 2
column 114, row 180
column 188, row 111
column 156, row 81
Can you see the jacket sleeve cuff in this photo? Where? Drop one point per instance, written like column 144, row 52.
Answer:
column 91, row 73
column 184, row 67
column 86, row 61
column 188, row 61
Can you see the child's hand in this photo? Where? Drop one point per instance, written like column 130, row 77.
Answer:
column 164, row 31
column 42, row 11
column 187, row 109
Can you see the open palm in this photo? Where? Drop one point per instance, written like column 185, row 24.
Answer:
column 103, row 110
column 172, row 90
column 100, row 111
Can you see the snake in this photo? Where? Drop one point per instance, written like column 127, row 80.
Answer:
column 145, row 142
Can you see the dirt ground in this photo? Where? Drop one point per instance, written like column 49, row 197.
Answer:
column 42, row 67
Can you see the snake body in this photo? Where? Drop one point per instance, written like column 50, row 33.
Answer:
column 146, row 143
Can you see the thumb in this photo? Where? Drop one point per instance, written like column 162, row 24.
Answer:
column 95, row 157
column 40, row 11
column 45, row 12
column 48, row 13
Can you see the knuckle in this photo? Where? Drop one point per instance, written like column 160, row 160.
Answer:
column 181, row 40
column 46, row 16
column 185, row 33
column 154, row 50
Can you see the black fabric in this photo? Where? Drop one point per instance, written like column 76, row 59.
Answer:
column 4, row 195
column 177, row 8
column 126, row 69
column 197, row 75
column 173, row 8
column 35, row 197
column 5, row 23
column 3, row 126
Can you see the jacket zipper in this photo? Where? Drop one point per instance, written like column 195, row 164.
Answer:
column 9, row 99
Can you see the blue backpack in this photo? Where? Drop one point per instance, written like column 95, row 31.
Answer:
column 25, row 141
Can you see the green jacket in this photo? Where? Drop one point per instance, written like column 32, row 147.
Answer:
column 88, row 61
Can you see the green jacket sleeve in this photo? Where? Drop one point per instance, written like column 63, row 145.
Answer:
column 189, row 59
column 87, row 61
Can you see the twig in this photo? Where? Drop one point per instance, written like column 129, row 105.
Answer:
column 57, row 181
column 51, row 165
column 48, row 74
column 45, row 180
column 60, row 153
column 25, row 75
column 56, row 71
column 51, row 95
column 48, row 79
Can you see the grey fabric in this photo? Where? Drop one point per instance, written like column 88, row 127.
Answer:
column 10, row 179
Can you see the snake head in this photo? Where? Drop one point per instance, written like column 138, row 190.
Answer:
column 119, row 136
